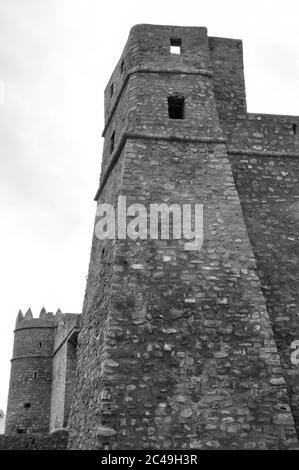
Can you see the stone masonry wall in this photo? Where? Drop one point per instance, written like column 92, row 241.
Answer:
column 264, row 154
column 54, row 441
column 29, row 396
column 63, row 368
column 36, row 377
column 193, row 360
column 58, row 388
column 268, row 189
column 176, row 349
column 228, row 80
column 91, row 389
column 70, row 378
column 148, row 49
column 260, row 133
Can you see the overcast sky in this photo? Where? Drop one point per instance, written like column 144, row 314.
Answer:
column 56, row 57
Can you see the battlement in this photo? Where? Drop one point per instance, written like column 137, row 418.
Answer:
column 45, row 319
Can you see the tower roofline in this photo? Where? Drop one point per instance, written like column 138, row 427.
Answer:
column 163, row 26
column 45, row 320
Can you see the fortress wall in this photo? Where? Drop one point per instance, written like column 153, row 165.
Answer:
column 64, row 366
column 70, row 378
column 176, row 349
column 229, row 83
column 151, row 106
column 54, row 441
column 28, row 408
column 265, row 133
column 194, row 361
column 267, row 183
column 65, row 324
column 33, row 339
column 93, row 359
column 269, row 194
column 119, row 121
column 147, row 48
column 58, row 388
column 33, row 367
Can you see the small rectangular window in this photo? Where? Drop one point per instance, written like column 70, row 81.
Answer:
column 175, row 45
column 122, row 66
column 176, row 105
column 295, row 129
column 112, row 139
column 111, row 89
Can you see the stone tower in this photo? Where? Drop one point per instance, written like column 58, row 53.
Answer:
column 42, row 372
column 176, row 349
column 29, row 398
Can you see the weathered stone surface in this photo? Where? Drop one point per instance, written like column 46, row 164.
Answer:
column 198, row 364
column 181, row 349
column 42, row 374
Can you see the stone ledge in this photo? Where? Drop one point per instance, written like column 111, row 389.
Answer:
column 257, row 153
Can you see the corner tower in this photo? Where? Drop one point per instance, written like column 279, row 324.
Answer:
column 29, row 398
column 176, row 350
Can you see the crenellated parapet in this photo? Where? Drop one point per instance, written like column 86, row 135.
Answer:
column 45, row 319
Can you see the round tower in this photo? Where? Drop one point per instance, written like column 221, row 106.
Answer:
column 29, row 398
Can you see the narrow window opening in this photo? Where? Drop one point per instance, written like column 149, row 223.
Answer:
column 40, row 345
column 111, row 89
column 35, row 375
column 27, row 405
column 103, row 252
column 176, row 105
column 175, row 45
column 122, row 66
column 295, row 129
column 112, row 139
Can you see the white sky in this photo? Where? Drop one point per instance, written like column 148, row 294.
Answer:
column 56, row 57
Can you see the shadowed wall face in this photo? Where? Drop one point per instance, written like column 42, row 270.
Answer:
column 2, row 422
column 64, row 366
